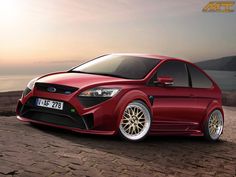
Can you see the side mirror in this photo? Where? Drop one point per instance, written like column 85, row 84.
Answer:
column 164, row 81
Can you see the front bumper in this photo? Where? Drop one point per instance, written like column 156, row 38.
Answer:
column 97, row 132
column 98, row 119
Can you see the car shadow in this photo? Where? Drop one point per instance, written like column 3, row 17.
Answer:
column 164, row 150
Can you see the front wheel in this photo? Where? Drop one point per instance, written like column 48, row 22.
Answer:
column 136, row 121
column 213, row 126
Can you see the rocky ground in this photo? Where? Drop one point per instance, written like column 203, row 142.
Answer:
column 8, row 101
column 29, row 151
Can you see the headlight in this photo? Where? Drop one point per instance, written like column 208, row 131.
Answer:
column 31, row 83
column 29, row 87
column 100, row 92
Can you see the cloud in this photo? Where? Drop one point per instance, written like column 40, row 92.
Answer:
column 64, row 11
column 52, row 31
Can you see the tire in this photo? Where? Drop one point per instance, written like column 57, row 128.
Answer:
column 135, row 122
column 213, row 126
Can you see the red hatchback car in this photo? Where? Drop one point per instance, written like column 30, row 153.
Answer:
column 128, row 94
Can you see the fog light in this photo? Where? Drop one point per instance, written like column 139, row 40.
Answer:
column 72, row 110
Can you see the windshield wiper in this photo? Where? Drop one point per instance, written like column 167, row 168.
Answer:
column 112, row 75
column 103, row 74
column 73, row 71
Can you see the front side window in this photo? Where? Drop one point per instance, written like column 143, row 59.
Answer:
column 130, row 67
column 199, row 80
column 176, row 70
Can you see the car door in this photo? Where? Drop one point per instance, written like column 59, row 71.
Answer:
column 173, row 106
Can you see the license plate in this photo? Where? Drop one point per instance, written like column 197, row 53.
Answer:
column 49, row 104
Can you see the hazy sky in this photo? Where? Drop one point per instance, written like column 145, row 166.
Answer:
column 60, row 33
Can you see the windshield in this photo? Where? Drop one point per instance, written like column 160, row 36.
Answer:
column 130, row 67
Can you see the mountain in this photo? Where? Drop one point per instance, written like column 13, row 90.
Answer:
column 220, row 64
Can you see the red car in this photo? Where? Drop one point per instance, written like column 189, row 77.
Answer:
column 128, row 94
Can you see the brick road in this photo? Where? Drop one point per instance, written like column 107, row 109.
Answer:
column 29, row 151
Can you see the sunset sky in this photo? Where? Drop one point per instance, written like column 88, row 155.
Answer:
column 40, row 35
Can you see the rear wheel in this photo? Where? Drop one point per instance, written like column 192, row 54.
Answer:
column 136, row 121
column 214, row 126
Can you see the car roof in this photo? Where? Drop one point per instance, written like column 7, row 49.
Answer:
column 154, row 56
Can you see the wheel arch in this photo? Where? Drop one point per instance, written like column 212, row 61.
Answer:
column 213, row 105
column 127, row 98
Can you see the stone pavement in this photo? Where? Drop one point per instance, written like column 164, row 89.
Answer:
column 28, row 151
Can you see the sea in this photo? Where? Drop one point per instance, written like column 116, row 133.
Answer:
column 225, row 79
column 14, row 82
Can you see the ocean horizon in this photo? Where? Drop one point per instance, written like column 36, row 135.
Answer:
column 14, row 82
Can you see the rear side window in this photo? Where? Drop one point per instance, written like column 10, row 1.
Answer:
column 176, row 70
column 199, row 80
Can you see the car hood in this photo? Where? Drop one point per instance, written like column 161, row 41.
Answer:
column 79, row 80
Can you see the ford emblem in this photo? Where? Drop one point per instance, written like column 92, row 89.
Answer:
column 51, row 89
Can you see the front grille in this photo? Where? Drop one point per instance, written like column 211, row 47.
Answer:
column 53, row 118
column 55, row 88
column 66, row 117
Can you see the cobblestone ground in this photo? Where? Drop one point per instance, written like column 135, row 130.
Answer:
column 27, row 151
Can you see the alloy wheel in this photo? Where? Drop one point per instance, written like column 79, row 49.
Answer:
column 215, row 124
column 135, row 122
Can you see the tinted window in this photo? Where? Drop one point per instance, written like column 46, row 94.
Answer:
column 176, row 70
column 119, row 66
column 199, row 80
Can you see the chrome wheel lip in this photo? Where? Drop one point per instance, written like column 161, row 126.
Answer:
column 215, row 124
column 145, row 121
